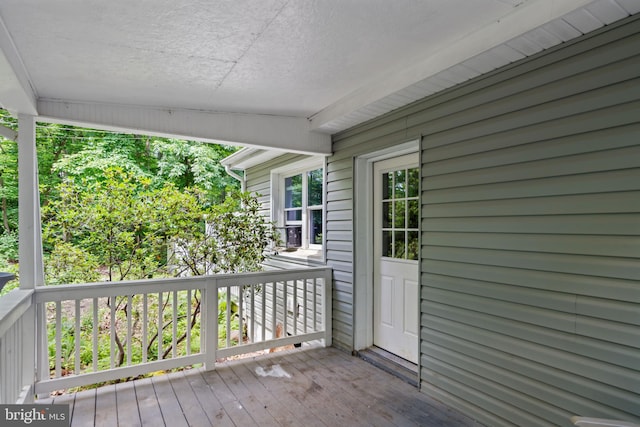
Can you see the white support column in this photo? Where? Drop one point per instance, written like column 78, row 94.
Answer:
column 29, row 225
column 30, row 246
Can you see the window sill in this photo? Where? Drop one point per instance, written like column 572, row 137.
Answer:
column 305, row 256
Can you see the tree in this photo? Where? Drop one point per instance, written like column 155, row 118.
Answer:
column 122, row 226
column 234, row 240
column 190, row 164
column 121, row 221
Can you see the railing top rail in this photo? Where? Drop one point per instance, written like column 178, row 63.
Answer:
column 108, row 289
column 12, row 306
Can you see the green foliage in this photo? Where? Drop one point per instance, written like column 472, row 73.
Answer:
column 187, row 164
column 70, row 264
column 9, row 246
column 234, row 241
column 121, row 222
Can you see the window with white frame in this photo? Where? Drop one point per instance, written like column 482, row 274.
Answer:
column 303, row 209
column 298, row 205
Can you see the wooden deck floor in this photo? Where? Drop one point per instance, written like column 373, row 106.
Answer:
column 325, row 387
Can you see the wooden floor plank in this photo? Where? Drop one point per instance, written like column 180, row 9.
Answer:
column 85, row 408
column 65, row 399
column 321, row 387
column 208, row 400
column 400, row 396
column 417, row 407
column 188, row 400
column 280, row 393
column 360, row 412
column 245, row 397
column 318, row 399
column 218, row 386
column 341, row 375
column 238, row 413
column 127, row 404
column 106, row 409
column 148, row 405
column 276, row 405
column 171, row 411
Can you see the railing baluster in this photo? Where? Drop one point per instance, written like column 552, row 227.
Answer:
column 305, row 305
column 228, row 316
column 58, row 339
column 160, row 322
column 273, row 309
column 295, row 307
column 264, row 311
column 129, row 330
column 77, row 339
column 252, row 314
column 188, row 322
column 315, row 304
column 145, row 308
column 112, row 328
column 174, row 331
column 94, row 332
column 285, row 306
column 240, row 316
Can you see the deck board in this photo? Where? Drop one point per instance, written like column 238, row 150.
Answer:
column 208, row 400
column 325, row 387
column 106, row 409
column 84, row 408
column 148, row 406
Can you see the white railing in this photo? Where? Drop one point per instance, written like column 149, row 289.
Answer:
column 93, row 333
column 17, row 347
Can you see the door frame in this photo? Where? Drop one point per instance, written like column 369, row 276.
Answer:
column 363, row 241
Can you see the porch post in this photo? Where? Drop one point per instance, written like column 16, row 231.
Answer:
column 29, row 226
column 210, row 311
column 30, row 246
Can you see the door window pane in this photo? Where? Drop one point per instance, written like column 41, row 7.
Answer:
column 387, row 214
column 399, row 244
column 387, row 244
column 412, row 245
column 400, row 184
column 387, row 186
column 414, row 182
column 399, row 214
column 412, row 213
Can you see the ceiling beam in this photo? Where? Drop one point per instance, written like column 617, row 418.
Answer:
column 291, row 134
column 524, row 18
column 16, row 91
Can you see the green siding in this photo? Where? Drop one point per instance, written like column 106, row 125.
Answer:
column 530, row 264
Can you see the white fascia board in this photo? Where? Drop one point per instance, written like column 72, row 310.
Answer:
column 291, row 134
column 524, row 18
column 248, row 157
column 16, row 91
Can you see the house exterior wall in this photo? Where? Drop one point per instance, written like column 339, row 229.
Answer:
column 530, row 260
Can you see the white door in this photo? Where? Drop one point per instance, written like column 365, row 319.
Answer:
column 396, row 246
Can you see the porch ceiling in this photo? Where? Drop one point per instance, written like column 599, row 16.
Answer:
column 264, row 73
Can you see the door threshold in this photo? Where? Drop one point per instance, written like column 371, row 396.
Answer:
column 390, row 363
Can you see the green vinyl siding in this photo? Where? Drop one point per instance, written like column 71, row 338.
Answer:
column 530, row 221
